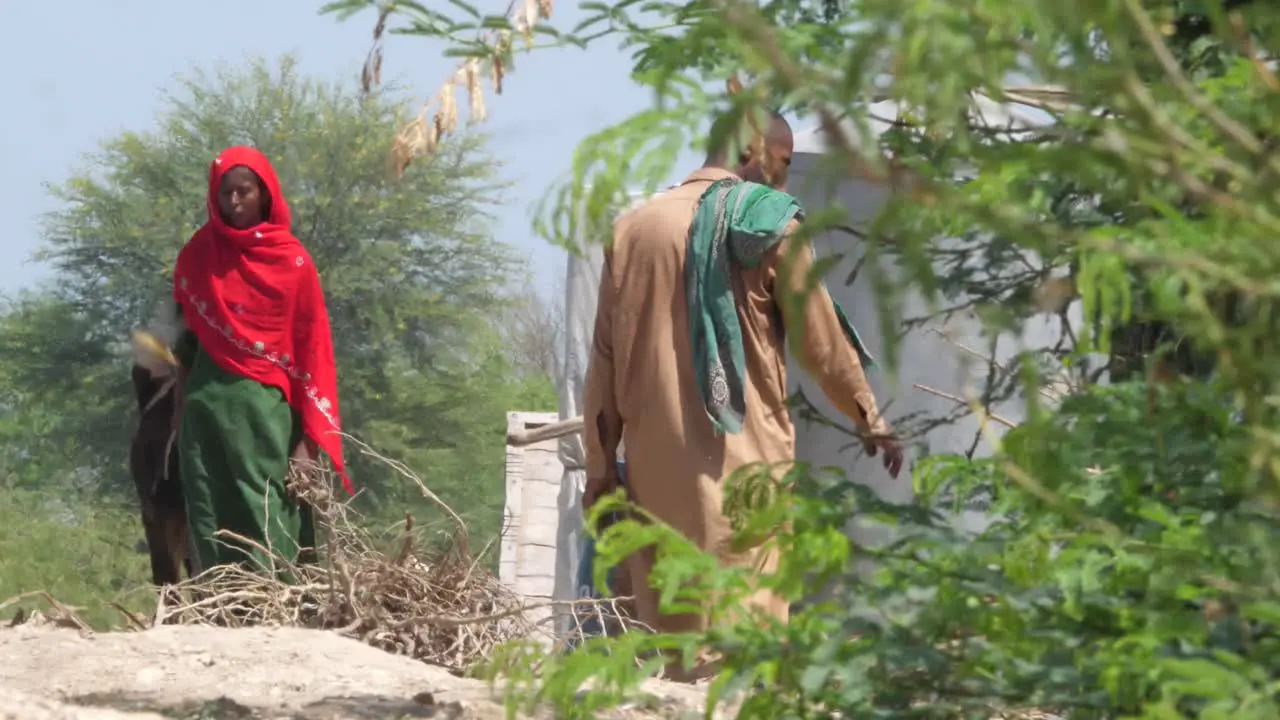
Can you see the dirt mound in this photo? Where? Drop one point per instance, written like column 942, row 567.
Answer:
column 16, row 705
column 192, row 671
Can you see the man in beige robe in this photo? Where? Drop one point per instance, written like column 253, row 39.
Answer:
column 641, row 377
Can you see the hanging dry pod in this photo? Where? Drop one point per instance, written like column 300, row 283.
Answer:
column 475, row 93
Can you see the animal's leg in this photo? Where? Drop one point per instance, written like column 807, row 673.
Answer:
column 175, row 532
column 162, row 570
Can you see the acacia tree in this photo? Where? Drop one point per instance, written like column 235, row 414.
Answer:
column 532, row 327
column 1131, row 570
column 410, row 271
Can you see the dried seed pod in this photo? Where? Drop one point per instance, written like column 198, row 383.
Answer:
column 447, row 114
column 475, row 93
column 499, row 72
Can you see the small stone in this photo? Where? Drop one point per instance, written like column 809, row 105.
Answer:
column 425, row 698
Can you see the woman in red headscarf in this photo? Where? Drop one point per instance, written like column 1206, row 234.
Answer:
column 259, row 386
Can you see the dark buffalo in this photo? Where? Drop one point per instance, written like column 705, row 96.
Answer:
column 153, row 461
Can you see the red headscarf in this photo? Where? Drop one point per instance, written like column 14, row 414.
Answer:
column 252, row 297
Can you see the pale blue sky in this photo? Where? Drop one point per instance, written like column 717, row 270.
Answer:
column 81, row 71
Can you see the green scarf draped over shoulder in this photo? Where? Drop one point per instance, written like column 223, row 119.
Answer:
column 736, row 223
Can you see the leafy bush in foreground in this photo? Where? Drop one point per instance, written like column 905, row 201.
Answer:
column 1138, row 590
column 1133, row 569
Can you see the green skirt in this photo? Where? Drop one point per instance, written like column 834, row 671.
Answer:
column 234, row 445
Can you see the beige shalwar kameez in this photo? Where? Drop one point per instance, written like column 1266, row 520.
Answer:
column 640, row 382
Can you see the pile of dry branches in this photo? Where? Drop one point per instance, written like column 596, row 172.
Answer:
column 437, row 604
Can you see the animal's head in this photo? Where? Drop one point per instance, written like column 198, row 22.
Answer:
column 151, row 345
column 155, row 369
column 153, row 355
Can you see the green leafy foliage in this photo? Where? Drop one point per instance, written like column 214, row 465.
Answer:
column 1097, row 593
column 1130, row 567
column 82, row 553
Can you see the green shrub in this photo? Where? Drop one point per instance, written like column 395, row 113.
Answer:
column 1135, row 580
column 1133, row 567
column 83, row 553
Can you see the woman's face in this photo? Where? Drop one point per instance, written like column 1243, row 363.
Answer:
column 240, row 198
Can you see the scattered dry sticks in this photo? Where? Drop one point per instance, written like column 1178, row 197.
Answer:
column 427, row 598
column 435, row 604
column 57, row 613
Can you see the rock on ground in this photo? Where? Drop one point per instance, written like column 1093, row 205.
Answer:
column 245, row 674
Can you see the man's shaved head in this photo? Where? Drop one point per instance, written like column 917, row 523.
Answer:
column 768, row 167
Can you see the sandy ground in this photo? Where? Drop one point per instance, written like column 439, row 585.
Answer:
column 49, row 673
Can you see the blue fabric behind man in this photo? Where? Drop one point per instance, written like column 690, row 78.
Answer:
column 590, row 621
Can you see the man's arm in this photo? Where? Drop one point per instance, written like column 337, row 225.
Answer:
column 602, row 425
column 819, row 341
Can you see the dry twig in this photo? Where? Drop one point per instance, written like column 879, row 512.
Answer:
column 961, row 401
